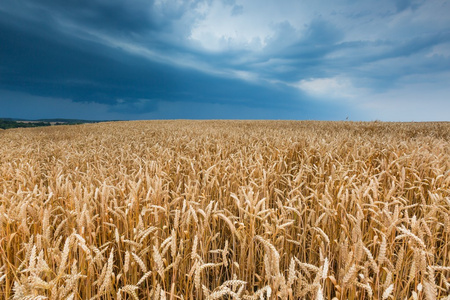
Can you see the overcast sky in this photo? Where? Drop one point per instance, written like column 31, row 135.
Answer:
column 233, row 59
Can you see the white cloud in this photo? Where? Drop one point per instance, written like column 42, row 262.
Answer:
column 440, row 50
column 330, row 88
column 245, row 75
column 222, row 29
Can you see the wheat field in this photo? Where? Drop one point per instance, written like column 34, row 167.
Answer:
column 226, row 210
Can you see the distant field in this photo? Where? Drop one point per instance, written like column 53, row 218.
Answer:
column 225, row 210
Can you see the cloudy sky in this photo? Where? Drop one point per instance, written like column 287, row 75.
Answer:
column 232, row 59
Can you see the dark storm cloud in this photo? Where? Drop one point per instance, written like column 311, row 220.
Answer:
column 83, row 71
column 87, row 72
column 138, row 56
column 113, row 15
column 130, row 16
column 44, row 62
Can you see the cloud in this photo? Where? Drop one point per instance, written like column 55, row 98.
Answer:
column 56, row 67
column 124, row 82
column 330, row 88
column 440, row 51
column 224, row 27
column 140, row 56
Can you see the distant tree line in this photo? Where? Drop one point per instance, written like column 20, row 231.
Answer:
column 6, row 124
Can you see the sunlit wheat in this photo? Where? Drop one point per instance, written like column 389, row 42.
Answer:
column 226, row 210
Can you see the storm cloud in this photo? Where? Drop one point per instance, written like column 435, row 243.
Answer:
column 225, row 59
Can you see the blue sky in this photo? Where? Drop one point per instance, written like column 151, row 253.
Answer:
column 215, row 59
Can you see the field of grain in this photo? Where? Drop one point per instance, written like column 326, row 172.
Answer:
column 226, row 210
